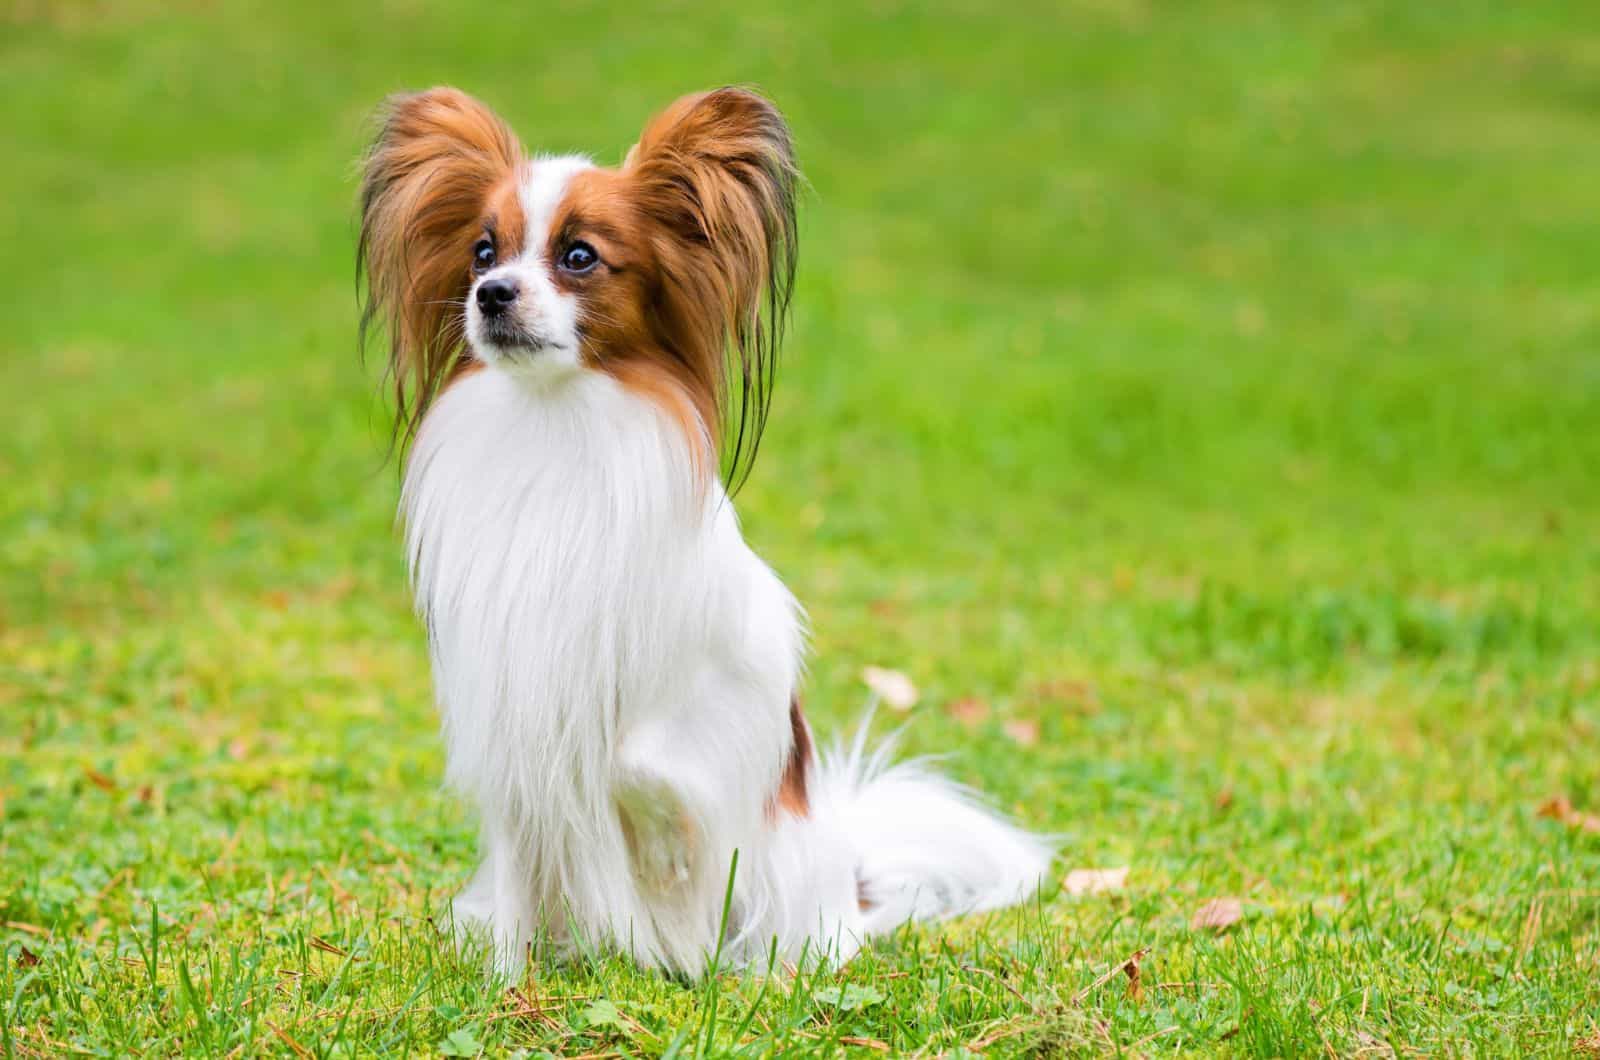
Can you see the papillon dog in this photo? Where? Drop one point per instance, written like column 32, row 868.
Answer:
column 582, row 357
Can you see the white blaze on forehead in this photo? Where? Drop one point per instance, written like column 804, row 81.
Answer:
column 542, row 191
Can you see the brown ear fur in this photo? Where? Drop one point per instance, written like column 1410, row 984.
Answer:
column 715, row 174
column 426, row 185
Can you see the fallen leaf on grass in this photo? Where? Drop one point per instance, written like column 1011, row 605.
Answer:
column 1024, row 732
column 100, row 780
column 1095, row 881
column 1135, row 976
column 1561, row 809
column 969, row 711
column 27, row 958
column 1217, row 915
column 1133, row 958
column 866, row 1043
column 891, row 686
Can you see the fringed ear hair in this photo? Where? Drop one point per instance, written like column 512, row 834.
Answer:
column 425, row 189
column 716, row 173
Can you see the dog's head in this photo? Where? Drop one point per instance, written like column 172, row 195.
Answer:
column 670, row 273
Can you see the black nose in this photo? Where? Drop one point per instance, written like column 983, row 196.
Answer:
column 495, row 295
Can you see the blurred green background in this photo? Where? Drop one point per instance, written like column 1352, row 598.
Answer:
column 1199, row 401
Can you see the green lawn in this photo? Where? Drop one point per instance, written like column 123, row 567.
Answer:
column 1200, row 402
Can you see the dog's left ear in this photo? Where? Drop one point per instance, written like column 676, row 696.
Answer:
column 716, row 173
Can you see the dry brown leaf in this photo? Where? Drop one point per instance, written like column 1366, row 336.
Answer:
column 100, row 780
column 1095, row 881
column 893, row 687
column 1217, row 915
column 26, row 958
column 1560, row 808
column 970, row 711
column 1133, row 958
column 1557, row 807
column 866, row 1043
column 1023, row 731
column 1135, row 976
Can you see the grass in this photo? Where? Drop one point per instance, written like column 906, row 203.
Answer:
column 1200, row 402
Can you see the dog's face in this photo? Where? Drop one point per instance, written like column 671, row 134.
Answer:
column 649, row 272
column 552, row 272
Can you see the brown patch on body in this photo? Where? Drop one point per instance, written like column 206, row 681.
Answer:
column 793, row 793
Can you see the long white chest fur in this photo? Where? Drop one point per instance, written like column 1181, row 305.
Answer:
column 613, row 664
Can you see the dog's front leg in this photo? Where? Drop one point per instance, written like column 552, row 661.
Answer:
column 494, row 908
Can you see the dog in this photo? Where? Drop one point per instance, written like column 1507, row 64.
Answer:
column 582, row 360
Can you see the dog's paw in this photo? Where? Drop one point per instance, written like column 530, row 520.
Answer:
column 659, row 830
column 483, row 929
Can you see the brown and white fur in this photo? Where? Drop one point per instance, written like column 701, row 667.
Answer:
column 576, row 350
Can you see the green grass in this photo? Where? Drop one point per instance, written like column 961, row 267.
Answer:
column 1215, row 386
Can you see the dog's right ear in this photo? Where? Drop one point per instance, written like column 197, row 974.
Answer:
column 439, row 167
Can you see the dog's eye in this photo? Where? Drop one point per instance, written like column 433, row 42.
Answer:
column 580, row 257
column 483, row 255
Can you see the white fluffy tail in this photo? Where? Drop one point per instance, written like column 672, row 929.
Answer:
column 926, row 847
